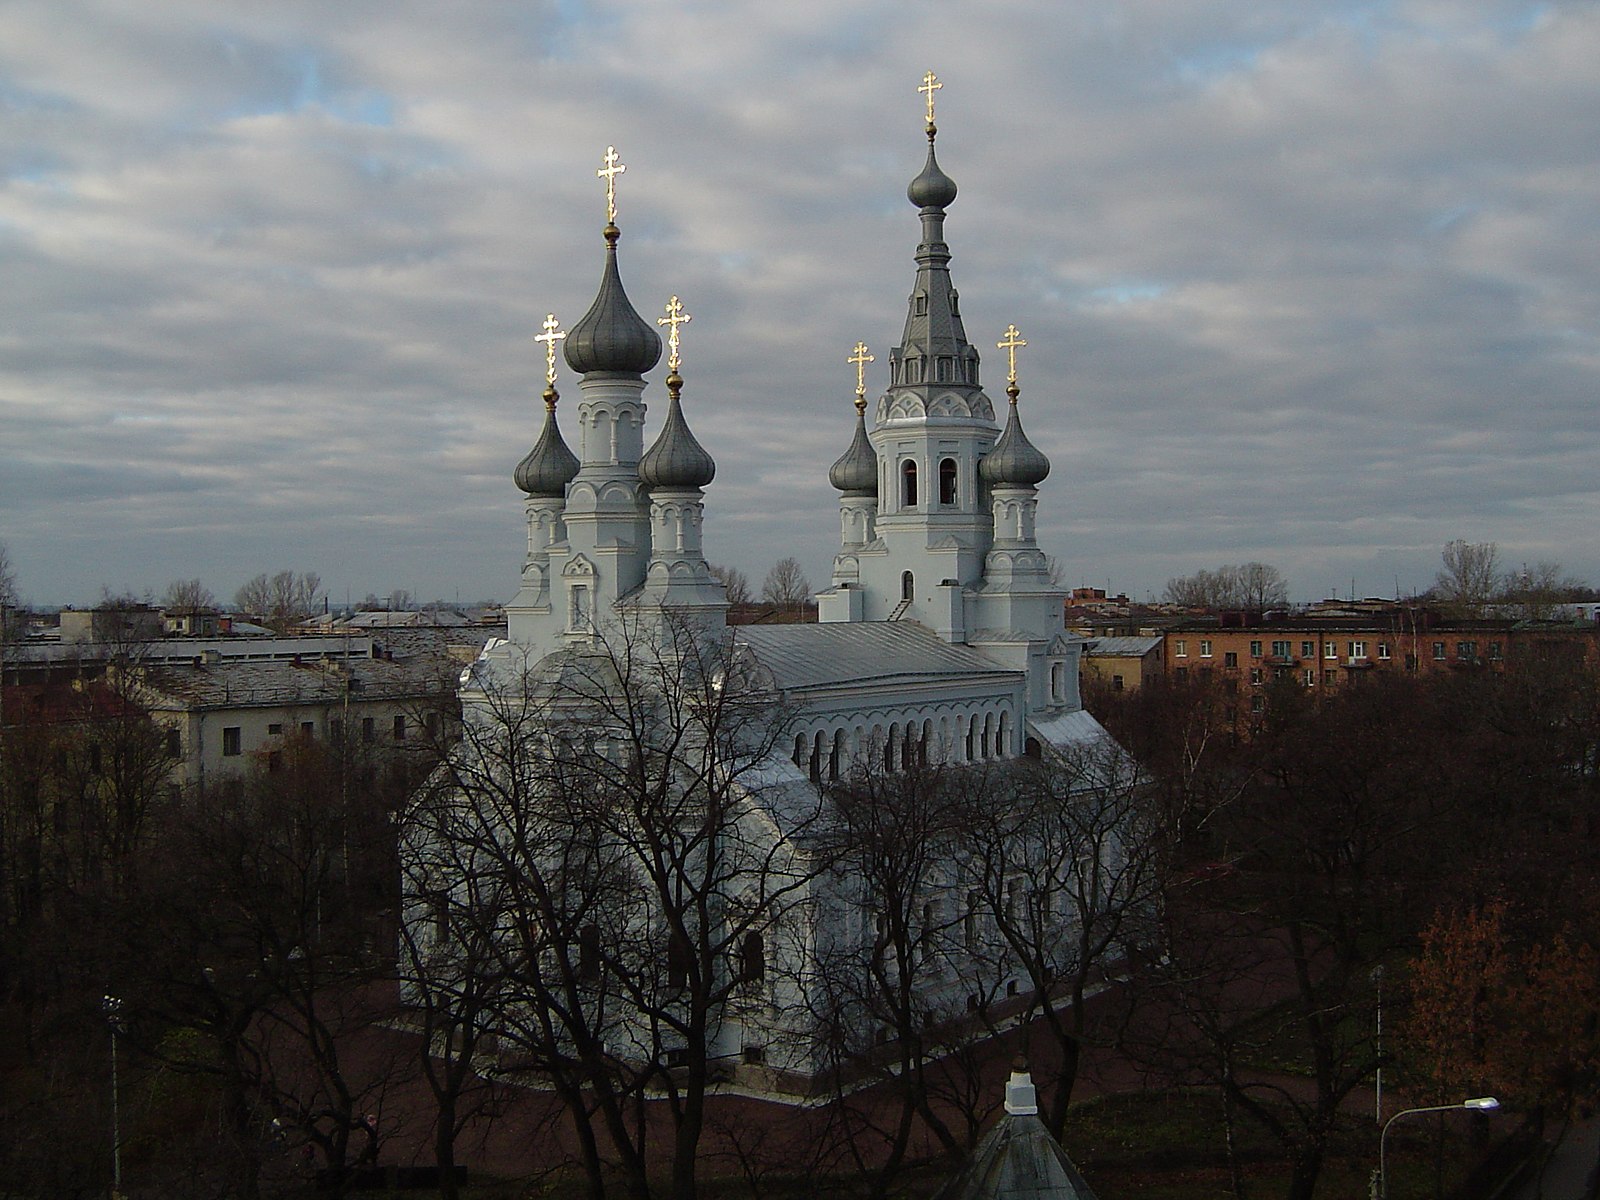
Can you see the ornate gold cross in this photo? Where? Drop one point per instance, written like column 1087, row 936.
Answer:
column 1013, row 339
column 930, row 84
column 860, row 359
column 552, row 334
column 609, row 173
column 675, row 317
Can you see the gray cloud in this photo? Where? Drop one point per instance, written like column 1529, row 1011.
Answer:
column 1307, row 282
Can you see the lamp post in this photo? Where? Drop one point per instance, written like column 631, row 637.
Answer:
column 112, row 1007
column 1480, row 1104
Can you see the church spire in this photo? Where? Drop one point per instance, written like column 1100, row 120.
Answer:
column 934, row 347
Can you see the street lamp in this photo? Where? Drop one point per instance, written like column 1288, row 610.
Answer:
column 112, row 1007
column 1480, row 1104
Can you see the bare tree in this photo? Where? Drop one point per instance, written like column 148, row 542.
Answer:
column 884, row 999
column 786, row 585
column 603, row 831
column 734, row 582
column 1470, row 576
column 281, row 600
column 1068, row 874
column 1537, row 591
column 1253, row 585
column 188, row 593
column 8, row 579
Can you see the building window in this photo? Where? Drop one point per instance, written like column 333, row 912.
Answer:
column 1116, row 683
column 1255, row 649
column 947, row 481
column 399, row 727
column 1330, row 677
column 335, row 729
column 578, row 602
column 368, row 729
column 1280, row 649
column 752, row 958
column 1230, row 658
column 908, row 585
column 908, row 483
column 1467, row 650
column 1058, row 682
column 275, row 730
column 1383, row 651
column 174, row 744
column 1438, row 651
column 1258, row 704
column 1331, row 650
column 1180, row 649
column 1180, row 673
column 1205, row 649
column 308, row 729
column 230, row 741
column 589, row 954
column 1494, row 651
column 1310, row 677
column 1358, row 649
column 1255, row 675
column 1308, row 649
column 275, row 760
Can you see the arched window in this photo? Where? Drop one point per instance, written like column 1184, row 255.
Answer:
column 908, row 585
column 908, row 483
column 836, row 760
column 947, row 481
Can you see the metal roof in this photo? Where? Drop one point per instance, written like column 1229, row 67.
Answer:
column 278, row 684
column 1129, row 647
column 1018, row 1160
column 837, row 653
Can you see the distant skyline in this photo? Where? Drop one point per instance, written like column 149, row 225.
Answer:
column 1307, row 283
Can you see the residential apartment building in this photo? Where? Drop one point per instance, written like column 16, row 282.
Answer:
column 1326, row 648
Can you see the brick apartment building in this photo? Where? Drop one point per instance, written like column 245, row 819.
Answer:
column 1326, row 647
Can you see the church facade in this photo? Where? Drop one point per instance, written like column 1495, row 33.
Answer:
column 940, row 639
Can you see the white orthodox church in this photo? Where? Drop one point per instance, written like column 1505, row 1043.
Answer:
column 940, row 638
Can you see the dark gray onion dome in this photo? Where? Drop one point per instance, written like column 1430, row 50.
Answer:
column 612, row 339
column 550, row 466
column 933, row 188
column 1014, row 461
column 856, row 472
column 676, row 460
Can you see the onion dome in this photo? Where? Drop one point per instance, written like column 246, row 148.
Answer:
column 612, row 339
column 856, row 472
column 550, row 466
column 676, row 460
column 933, row 188
column 1014, row 461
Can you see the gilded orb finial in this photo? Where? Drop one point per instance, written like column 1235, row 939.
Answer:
column 1009, row 344
column 609, row 173
column 930, row 85
column 675, row 317
column 552, row 334
column 859, row 360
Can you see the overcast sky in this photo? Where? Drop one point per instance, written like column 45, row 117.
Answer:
column 1311, row 283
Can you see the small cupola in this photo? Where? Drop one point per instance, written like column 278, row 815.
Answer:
column 676, row 460
column 550, row 465
column 855, row 473
column 1014, row 461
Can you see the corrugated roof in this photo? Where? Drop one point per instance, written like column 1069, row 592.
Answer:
column 1132, row 647
column 845, row 652
column 278, row 683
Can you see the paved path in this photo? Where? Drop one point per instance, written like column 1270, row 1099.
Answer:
column 1567, row 1176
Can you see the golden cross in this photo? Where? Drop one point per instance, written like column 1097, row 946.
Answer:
column 552, row 334
column 675, row 317
column 1013, row 339
column 861, row 358
column 930, row 84
column 609, row 173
